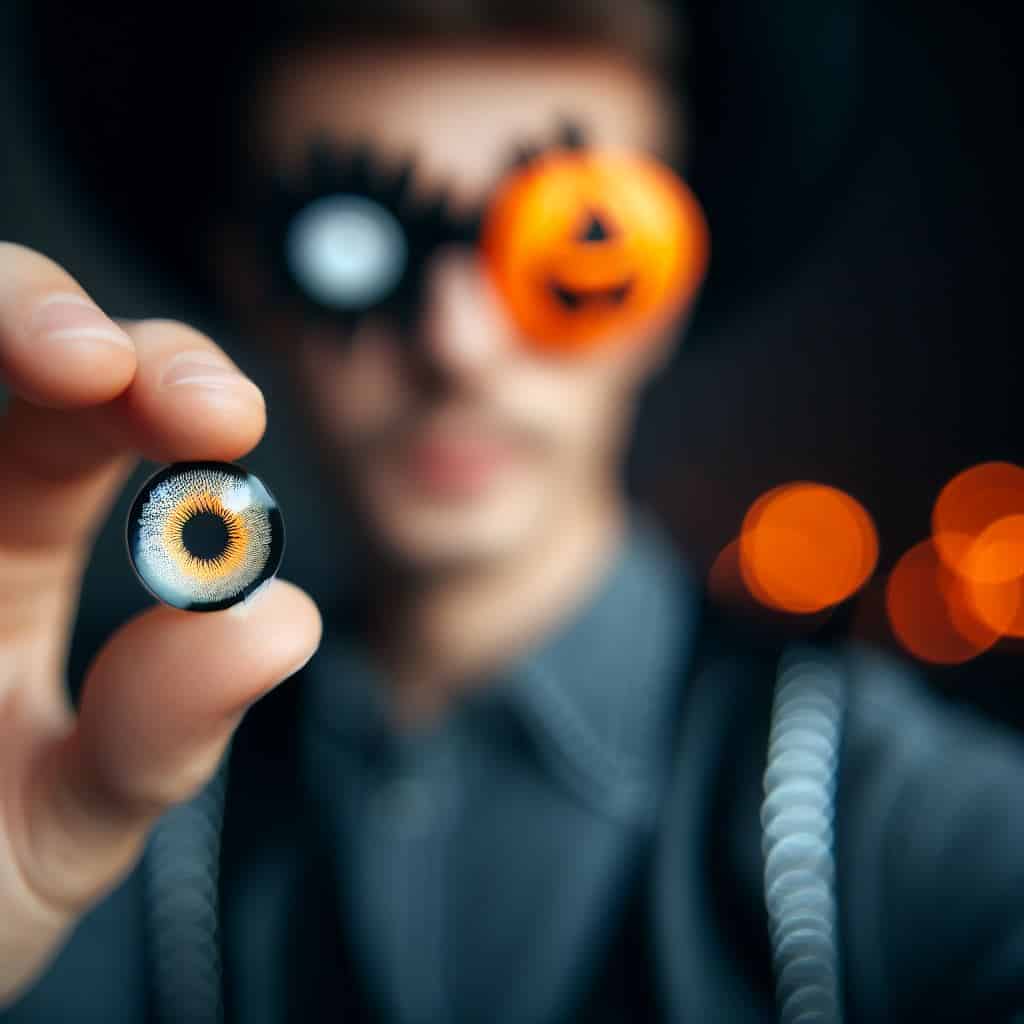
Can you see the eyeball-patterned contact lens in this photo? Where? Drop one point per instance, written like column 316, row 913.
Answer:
column 204, row 535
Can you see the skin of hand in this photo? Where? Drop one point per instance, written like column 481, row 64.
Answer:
column 79, row 792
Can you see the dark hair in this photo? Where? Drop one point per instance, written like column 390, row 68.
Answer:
column 146, row 98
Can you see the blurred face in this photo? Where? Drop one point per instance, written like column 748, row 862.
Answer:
column 454, row 442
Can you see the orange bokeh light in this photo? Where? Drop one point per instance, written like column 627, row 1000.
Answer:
column 1000, row 606
column 978, row 523
column 936, row 614
column 805, row 547
column 996, row 555
column 730, row 585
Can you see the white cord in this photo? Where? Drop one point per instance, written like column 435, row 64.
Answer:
column 798, row 839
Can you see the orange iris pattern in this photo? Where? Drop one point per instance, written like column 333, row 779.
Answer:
column 205, row 570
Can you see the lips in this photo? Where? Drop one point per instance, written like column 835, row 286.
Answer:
column 456, row 465
column 575, row 299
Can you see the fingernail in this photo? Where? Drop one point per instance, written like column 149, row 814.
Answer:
column 70, row 319
column 203, row 370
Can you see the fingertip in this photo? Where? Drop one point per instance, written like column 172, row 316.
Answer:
column 279, row 599
column 201, row 666
column 194, row 424
column 278, row 602
column 189, row 399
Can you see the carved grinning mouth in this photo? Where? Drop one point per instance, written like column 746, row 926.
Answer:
column 575, row 299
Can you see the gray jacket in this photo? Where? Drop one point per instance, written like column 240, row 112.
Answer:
column 836, row 844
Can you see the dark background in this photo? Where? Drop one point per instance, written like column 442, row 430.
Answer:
column 859, row 165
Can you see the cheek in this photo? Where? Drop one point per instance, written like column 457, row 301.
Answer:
column 583, row 402
column 354, row 387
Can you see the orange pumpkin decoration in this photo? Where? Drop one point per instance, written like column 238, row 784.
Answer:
column 587, row 245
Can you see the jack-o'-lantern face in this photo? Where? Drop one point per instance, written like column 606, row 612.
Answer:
column 587, row 245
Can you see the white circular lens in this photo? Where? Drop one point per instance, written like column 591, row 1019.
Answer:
column 345, row 251
column 204, row 535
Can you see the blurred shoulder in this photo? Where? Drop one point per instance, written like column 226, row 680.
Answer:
column 897, row 722
column 929, row 849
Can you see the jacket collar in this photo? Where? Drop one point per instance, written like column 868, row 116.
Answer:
column 597, row 698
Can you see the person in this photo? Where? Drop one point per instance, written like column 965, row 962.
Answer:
column 529, row 775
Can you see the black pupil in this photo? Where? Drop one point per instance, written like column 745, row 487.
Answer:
column 205, row 535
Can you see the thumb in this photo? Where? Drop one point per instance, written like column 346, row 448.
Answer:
column 159, row 706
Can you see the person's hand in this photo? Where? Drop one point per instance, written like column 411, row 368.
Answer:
column 78, row 794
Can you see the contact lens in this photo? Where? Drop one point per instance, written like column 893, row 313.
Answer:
column 204, row 535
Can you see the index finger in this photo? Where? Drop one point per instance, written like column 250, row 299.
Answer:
column 57, row 347
column 76, row 416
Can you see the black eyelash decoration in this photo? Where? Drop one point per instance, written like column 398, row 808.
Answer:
column 349, row 238
column 569, row 134
column 524, row 156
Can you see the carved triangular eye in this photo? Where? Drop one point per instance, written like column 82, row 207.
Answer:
column 595, row 229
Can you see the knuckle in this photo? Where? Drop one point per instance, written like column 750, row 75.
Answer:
column 41, row 852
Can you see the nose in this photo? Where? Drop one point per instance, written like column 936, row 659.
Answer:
column 463, row 331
